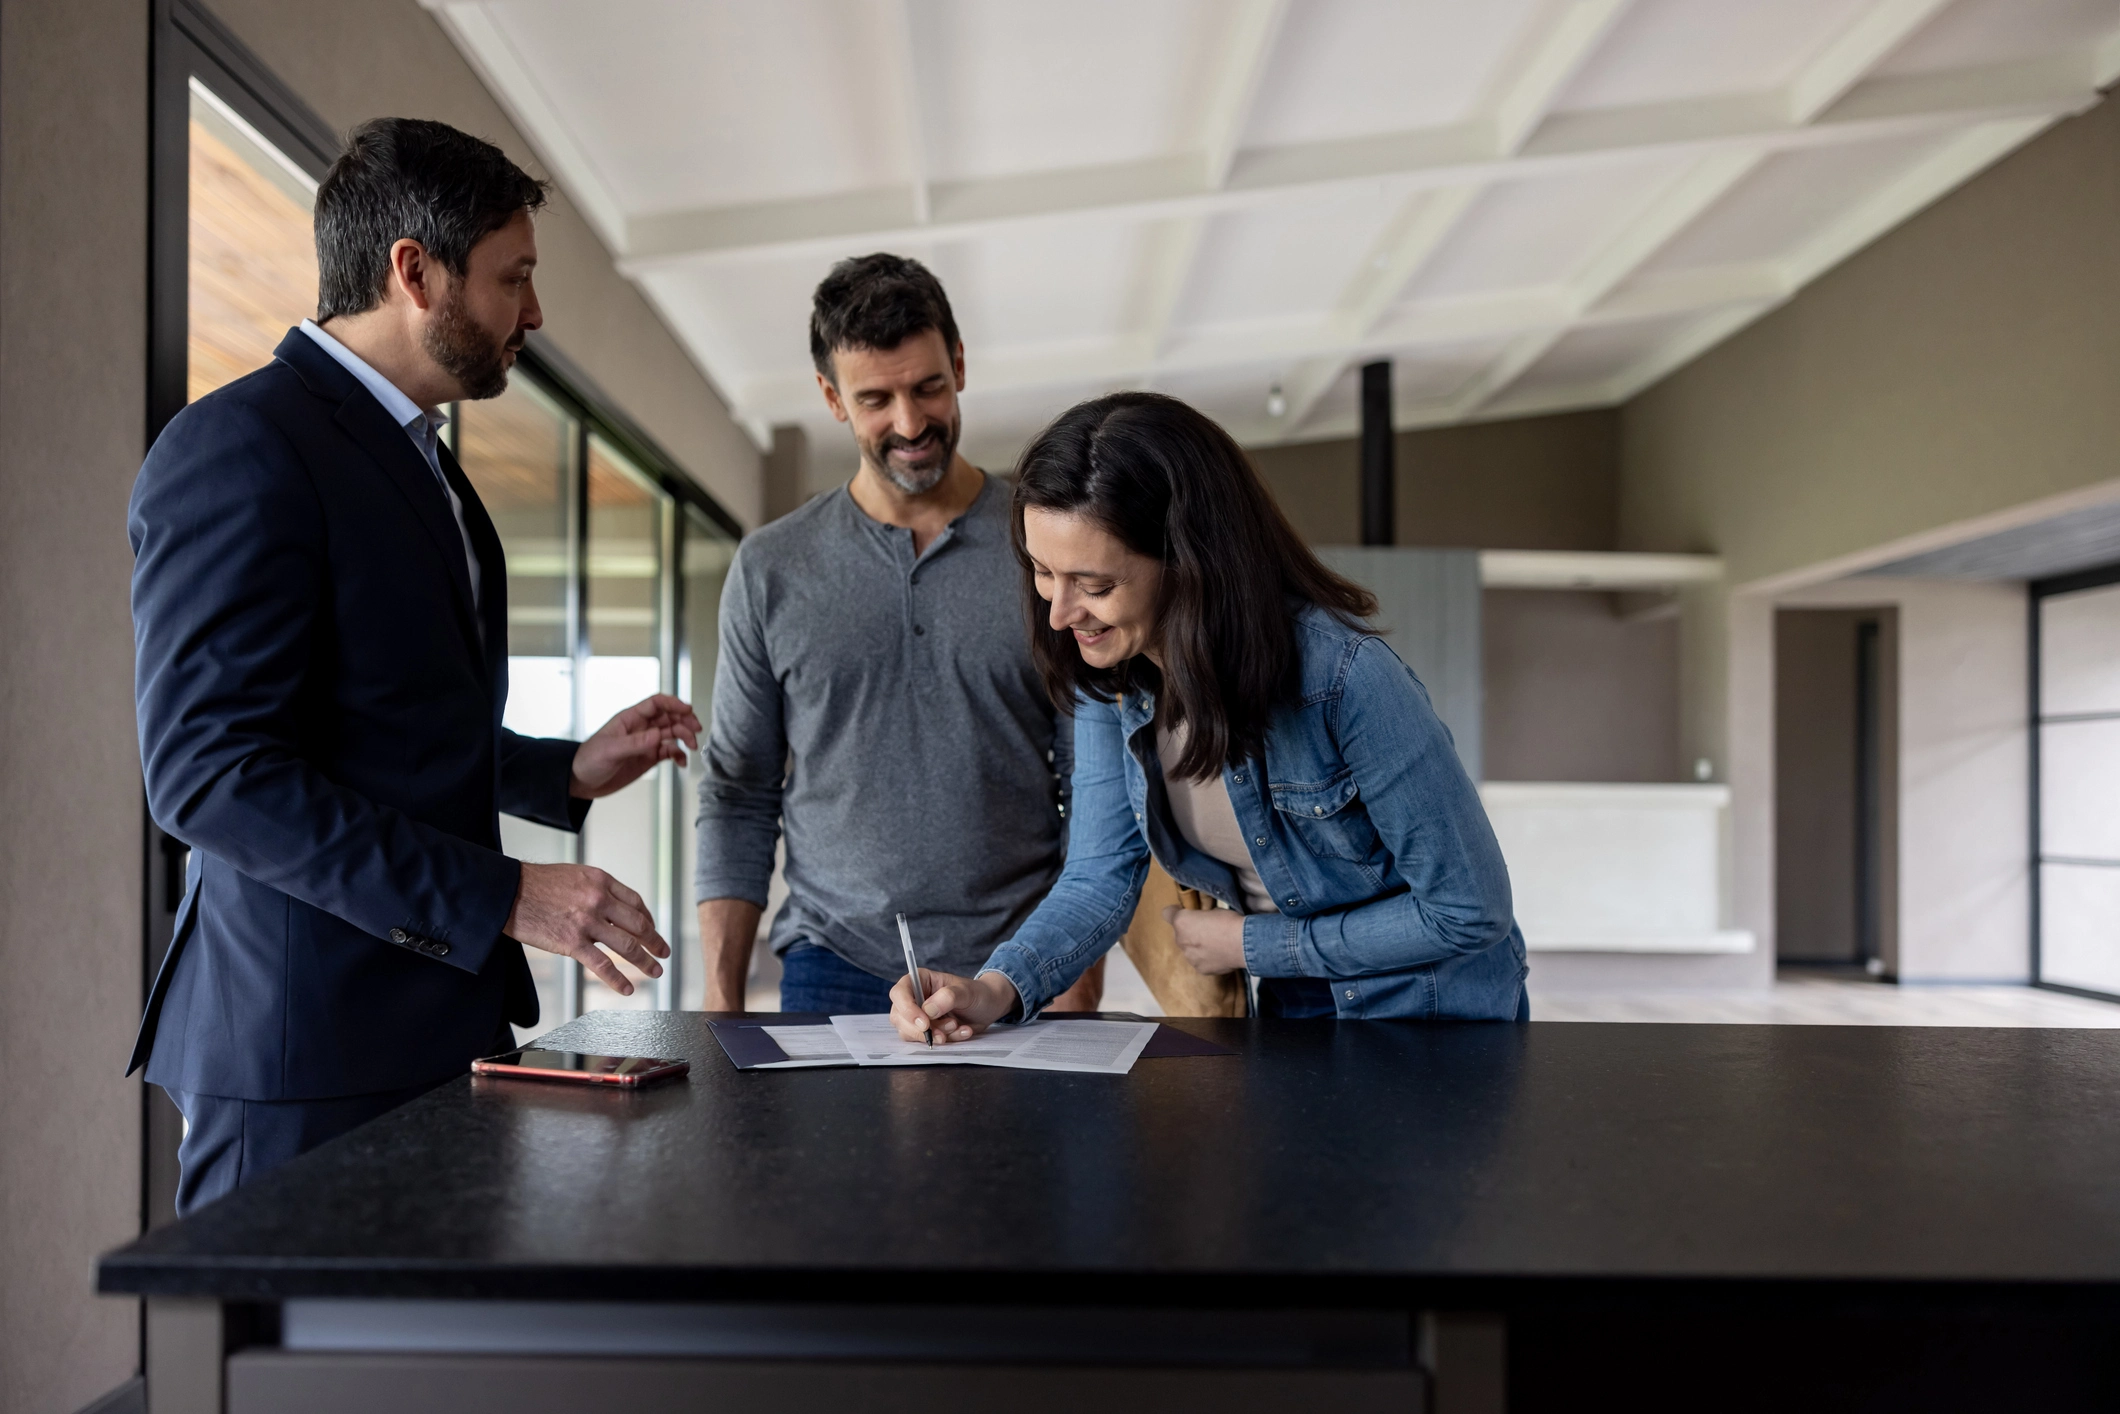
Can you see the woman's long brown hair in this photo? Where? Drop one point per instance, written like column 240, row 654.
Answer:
column 1172, row 485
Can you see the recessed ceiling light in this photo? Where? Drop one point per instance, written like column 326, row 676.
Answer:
column 1276, row 402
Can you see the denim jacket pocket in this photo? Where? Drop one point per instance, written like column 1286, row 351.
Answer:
column 1326, row 817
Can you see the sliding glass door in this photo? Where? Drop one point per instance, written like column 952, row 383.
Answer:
column 2076, row 842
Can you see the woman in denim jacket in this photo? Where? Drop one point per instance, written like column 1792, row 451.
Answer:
column 1236, row 718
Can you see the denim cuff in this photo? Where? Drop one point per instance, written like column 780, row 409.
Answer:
column 1016, row 962
column 1271, row 943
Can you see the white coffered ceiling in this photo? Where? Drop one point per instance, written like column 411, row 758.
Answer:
column 1527, row 205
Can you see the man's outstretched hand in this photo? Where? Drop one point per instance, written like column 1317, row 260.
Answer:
column 627, row 747
column 570, row 909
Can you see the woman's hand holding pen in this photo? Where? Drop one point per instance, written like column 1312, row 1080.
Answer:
column 958, row 1008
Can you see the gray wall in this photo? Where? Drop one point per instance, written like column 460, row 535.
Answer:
column 1533, row 483
column 1428, row 609
column 73, row 399
column 1577, row 691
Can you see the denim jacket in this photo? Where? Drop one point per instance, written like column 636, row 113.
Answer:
column 1363, row 825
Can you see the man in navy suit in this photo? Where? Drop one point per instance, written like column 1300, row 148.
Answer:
column 320, row 613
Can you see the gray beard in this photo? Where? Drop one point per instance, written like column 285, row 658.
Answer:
column 915, row 483
column 919, row 483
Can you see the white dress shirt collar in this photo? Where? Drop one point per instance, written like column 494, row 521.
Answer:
column 403, row 410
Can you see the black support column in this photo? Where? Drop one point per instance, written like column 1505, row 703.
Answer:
column 1378, row 471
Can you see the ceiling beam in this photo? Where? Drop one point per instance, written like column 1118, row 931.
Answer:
column 509, row 80
column 1172, row 253
column 1926, row 181
column 1314, row 350
column 1876, row 32
column 1830, row 76
column 1678, row 206
column 1564, row 36
column 1174, row 186
column 899, row 18
column 1568, row 37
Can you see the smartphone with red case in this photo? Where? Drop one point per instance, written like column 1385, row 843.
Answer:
column 536, row 1064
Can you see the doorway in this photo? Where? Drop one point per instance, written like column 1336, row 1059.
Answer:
column 1836, row 734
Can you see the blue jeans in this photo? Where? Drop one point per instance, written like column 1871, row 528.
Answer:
column 1311, row 997
column 815, row 979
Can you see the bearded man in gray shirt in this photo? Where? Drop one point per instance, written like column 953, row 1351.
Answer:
column 875, row 697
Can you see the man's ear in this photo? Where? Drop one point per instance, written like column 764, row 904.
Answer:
column 832, row 399
column 411, row 272
column 957, row 364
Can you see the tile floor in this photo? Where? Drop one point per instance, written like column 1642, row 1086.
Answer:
column 1809, row 1000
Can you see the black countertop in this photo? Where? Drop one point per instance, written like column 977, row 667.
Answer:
column 1384, row 1163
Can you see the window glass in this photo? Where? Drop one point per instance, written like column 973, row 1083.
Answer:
column 626, row 659
column 707, row 550
column 519, row 450
column 2079, row 783
column 252, row 255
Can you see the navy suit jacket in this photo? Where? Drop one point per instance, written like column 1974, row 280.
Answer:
column 320, row 720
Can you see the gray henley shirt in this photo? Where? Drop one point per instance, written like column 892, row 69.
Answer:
column 884, row 712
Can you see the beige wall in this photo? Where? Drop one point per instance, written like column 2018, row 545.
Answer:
column 1535, row 483
column 335, row 54
column 1574, row 691
column 73, row 399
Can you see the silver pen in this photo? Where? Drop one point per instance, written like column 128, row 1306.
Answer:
column 912, row 973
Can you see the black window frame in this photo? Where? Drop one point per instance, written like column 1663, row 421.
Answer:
column 2038, row 591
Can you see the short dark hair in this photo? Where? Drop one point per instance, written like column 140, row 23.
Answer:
column 876, row 302
column 1172, row 485
column 408, row 178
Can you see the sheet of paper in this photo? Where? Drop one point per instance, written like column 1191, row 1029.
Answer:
column 1093, row 1047
column 814, row 1044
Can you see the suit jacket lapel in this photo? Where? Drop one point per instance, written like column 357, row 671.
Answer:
column 363, row 417
column 386, row 443
column 492, row 569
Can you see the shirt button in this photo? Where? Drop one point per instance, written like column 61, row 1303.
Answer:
column 1349, row 994
column 919, row 632
column 1258, row 839
column 1238, row 779
column 1291, row 900
column 1317, row 810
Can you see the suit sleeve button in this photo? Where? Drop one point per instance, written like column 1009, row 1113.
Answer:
column 400, row 936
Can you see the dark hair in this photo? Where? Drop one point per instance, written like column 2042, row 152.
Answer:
column 876, row 302
column 407, row 178
column 1170, row 483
